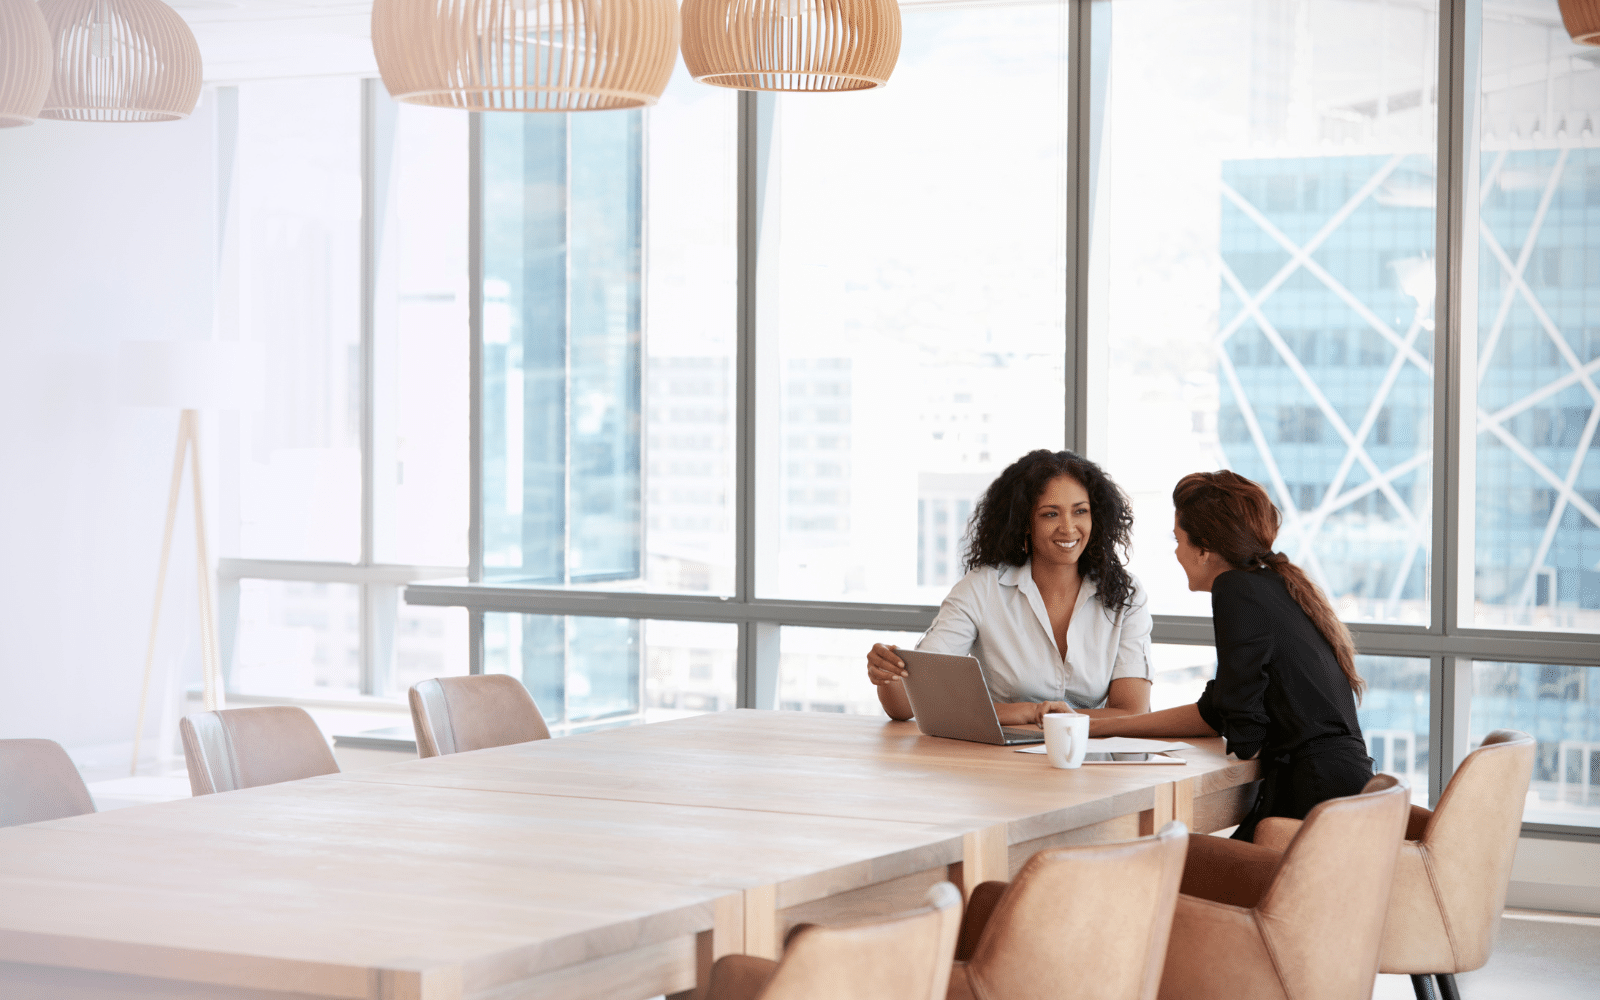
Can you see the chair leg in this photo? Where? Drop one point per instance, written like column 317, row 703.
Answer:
column 1423, row 987
column 1447, row 986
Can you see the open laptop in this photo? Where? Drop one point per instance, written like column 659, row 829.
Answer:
column 949, row 698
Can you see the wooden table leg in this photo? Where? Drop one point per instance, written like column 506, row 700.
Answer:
column 760, row 920
column 726, row 937
column 1183, row 802
column 1174, row 801
column 985, row 857
column 1160, row 814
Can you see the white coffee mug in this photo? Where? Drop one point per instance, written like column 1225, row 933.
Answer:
column 1066, row 738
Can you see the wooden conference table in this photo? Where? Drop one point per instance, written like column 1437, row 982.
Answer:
column 616, row 864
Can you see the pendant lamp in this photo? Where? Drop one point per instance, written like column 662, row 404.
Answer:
column 24, row 62
column 1582, row 18
column 525, row 55
column 795, row 45
column 120, row 61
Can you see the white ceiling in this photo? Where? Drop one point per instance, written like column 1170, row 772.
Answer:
column 257, row 39
column 260, row 39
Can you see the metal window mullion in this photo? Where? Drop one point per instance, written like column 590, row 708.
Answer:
column 369, row 286
column 1088, row 50
column 566, row 362
column 475, row 347
column 1455, row 313
column 370, row 682
column 1450, row 711
column 745, row 349
column 1455, row 340
column 758, row 650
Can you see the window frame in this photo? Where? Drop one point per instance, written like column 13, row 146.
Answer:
column 1448, row 644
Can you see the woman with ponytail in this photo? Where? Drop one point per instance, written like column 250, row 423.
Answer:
column 1286, row 684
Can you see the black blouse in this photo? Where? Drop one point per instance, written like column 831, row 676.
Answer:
column 1278, row 682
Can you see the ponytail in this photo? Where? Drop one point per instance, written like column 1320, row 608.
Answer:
column 1315, row 604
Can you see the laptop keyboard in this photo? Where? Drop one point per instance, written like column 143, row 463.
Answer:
column 1013, row 734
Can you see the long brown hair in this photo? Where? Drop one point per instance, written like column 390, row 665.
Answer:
column 1225, row 513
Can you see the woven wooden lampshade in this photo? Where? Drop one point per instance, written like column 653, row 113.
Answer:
column 24, row 62
column 525, row 55
column 798, row 45
column 1582, row 18
column 120, row 61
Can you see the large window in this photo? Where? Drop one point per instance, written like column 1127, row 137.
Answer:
column 911, row 296
column 344, row 254
column 1268, row 294
column 607, row 352
column 746, row 361
column 1537, row 526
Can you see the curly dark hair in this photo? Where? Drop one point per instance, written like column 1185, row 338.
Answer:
column 1003, row 520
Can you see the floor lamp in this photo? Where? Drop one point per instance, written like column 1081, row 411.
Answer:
column 188, row 375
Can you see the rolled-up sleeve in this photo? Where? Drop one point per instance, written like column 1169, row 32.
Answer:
column 1234, row 704
column 1133, row 642
column 955, row 628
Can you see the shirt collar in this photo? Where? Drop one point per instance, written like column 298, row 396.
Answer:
column 1012, row 576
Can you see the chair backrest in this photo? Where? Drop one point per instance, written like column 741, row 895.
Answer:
column 38, row 781
column 1323, row 914
column 246, row 747
column 1472, row 839
column 905, row 957
column 1088, row 921
column 456, row 714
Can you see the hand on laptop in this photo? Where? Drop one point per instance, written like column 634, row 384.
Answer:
column 883, row 667
column 1028, row 713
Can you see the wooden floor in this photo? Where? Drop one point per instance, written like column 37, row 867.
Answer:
column 611, row 864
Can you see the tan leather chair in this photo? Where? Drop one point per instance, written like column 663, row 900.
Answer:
column 1078, row 923
column 1454, row 868
column 903, row 957
column 456, row 714
column 38, row 781
column 1301, row 925
column 246, row 747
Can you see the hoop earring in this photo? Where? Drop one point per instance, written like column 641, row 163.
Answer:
column 1026, row 544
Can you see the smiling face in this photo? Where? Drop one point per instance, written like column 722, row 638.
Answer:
column 1062, row 522
column 1201, row 567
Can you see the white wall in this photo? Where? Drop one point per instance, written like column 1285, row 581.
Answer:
column 1556, row 875
column 106, row 235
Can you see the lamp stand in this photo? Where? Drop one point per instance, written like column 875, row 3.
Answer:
column 210, row 662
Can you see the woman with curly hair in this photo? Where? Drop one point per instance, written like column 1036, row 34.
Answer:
column 1054, row 618
column 1286, row 684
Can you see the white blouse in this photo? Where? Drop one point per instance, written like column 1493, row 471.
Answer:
column 998, row 615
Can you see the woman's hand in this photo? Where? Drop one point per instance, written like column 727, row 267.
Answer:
column 1051, row 707
column 883, row 666
column 1028, row 713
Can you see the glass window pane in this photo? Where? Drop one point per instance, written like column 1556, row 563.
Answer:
column 690, row 298
column 421, row 464
column 297, row 640
column 589, row 673
column 1178, row 674
column 1559, row 706
column 1537, row 530
column 428, row 642
column 690, row 668
column 1394, row 718
column 573, row 400
column 1262, row 280
column 297, row 257
column 825, row 669
column 912, row 292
